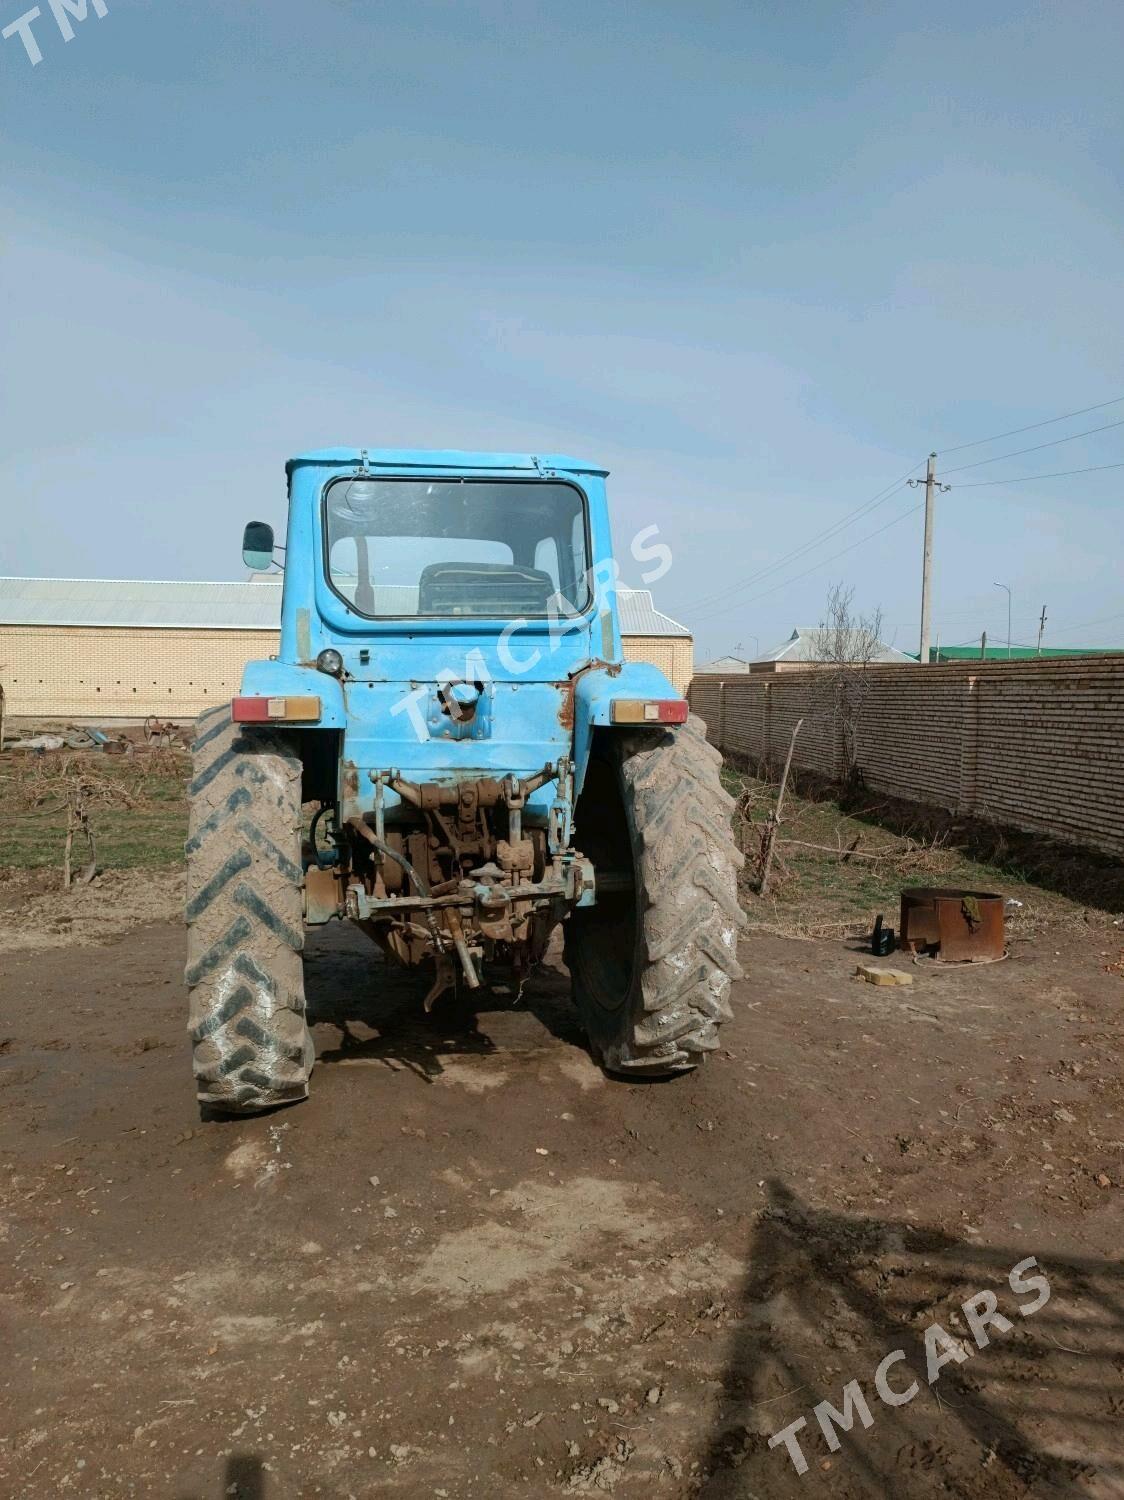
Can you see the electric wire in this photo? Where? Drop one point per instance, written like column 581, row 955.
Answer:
column 784, row 583
column 1088, row 624
column 975, row 484
column 1037, row 448
column 794, row 555
column 1065, row 625
column 1014, row 431
column 805, row 547
column 867, row 508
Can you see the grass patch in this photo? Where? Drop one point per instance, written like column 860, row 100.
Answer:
column 137, row 807
column 895, row 845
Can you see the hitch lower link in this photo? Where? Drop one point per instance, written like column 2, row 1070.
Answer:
column 484, row 906
column 574, row 884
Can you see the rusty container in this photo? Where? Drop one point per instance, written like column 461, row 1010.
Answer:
column 952, row 926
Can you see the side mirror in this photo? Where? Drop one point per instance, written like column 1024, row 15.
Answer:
column 257, row 546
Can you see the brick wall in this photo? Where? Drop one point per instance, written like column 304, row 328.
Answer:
column 129, row 672
column 672, row 654
column 1038, row 745
column 114, row 672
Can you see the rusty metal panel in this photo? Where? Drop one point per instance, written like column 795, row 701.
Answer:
column 955, row 926
column 321, row 895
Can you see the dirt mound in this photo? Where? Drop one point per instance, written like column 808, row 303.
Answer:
column 35, row 913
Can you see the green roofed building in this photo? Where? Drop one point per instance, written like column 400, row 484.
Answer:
column 1016, row 653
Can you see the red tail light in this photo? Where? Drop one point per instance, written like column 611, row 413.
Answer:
column 275, row 710
column 650, row 710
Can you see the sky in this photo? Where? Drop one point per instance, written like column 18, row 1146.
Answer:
column 756, row 259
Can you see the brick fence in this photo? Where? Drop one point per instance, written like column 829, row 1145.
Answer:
column 1037, row 745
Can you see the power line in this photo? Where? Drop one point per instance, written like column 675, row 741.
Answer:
column 1036, row 449
column 867, row 508
column 1014, row 432
column 945, row 620
column 1087, row 624
column 784, row 583
column 795, row 554
column 975, row 484
column 1068, row 626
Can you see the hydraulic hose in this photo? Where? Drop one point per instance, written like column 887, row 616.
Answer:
column 373, row 839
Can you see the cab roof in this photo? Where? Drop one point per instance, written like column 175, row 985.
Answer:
column 439, row 458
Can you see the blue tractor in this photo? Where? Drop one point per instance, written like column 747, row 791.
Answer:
column 450, row 751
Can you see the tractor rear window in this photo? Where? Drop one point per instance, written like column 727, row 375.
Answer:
column 437, row 547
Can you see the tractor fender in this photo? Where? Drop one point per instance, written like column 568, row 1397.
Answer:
column 279, row 679
column 597, row 689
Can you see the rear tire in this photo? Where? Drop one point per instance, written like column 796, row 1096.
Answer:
column 652, row 967
column 245, row 919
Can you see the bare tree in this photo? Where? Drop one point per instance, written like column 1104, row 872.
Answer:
column 843, row 648
column 843, row 637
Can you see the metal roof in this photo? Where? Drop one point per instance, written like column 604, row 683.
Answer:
column 141, row 602
column 1018, row 653
column 169, row 604
column 639, row 616
column 801, row 646
column 727, row 664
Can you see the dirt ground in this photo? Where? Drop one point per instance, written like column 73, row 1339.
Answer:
column 472, row 1266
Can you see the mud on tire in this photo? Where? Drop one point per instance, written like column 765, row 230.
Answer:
column 252, row 1048
column 652, row 966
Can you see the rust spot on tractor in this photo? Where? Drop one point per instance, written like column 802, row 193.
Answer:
column 349, row 779
column 566, row 706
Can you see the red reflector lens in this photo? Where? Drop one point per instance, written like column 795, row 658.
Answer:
column 249, row 710
column 649, row 711
column 299, row 710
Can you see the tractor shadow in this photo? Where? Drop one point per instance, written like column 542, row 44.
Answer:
column 826, row 1296
column 244, row 1478
column 367, row 1010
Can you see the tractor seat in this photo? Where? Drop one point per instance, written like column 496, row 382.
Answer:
column 490, row 590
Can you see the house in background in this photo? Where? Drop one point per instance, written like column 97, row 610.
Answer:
column 802, row 650
column 722, row 666
column 798, row 652
column 649, row 635
column 1017, row 653
column 93, row 648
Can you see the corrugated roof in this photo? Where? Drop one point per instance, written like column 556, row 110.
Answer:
column 801, row 646
column 133, row 601
column 639, row 616
column 253, row 605
column 727, row 664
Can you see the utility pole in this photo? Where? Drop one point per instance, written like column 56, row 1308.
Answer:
column 931, row 488
column 1041, row 628
column 1007, row 591
column 983, row 646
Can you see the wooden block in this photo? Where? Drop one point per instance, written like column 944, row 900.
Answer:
column 874, row 975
